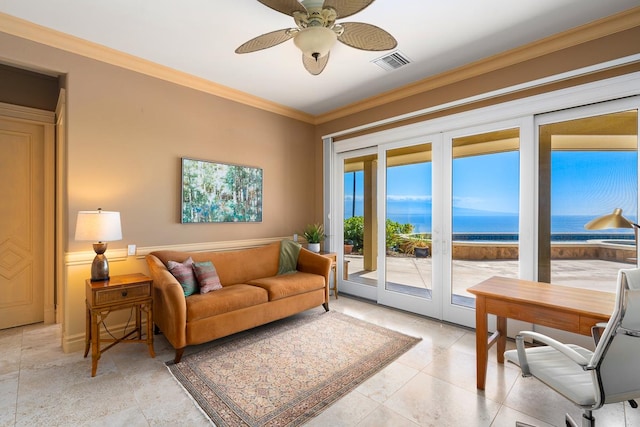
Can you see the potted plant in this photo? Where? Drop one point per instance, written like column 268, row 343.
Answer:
column 348, row 246
column 421, row 247
column 314, row 234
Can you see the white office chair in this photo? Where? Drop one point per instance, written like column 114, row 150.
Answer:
column 589, row 379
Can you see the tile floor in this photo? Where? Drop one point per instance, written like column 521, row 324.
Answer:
column 431, row 385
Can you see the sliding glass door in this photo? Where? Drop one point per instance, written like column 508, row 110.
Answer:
column 485, row 196
column 589, row 202
column 426, row 212
column 484, row 210
column 411, row 260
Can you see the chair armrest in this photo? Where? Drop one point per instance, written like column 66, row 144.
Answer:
column 557, row 345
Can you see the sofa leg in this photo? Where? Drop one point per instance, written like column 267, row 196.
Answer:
column 326, row 306
column 179, row 352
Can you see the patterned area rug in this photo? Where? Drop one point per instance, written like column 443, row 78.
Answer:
column 286, row 372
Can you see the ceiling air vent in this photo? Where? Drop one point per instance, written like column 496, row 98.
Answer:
column 393, row 61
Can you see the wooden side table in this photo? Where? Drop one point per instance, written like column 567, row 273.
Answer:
column 334, row 269
column 117, row 293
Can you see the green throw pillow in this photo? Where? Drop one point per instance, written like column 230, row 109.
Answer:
column 289, row 251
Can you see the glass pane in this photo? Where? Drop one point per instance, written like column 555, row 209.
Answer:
column 360, row 220
column 593, row 199
column 408, row 221
column 485, row 210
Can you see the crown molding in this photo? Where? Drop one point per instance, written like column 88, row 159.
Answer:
column 610, row 25
column 597, row 29
column 56, row 39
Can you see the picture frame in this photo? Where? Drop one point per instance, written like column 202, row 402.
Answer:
column 214, row 192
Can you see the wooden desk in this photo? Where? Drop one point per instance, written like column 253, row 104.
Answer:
column 561, row 307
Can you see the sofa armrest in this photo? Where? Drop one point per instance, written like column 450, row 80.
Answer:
column 311, row 262
column 169, row 305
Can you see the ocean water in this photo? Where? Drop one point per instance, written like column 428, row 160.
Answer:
column 470, row 221
column 500, row 223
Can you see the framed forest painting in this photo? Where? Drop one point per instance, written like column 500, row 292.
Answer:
column 220, row 192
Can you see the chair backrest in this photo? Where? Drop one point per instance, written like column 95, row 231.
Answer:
column 617, row 355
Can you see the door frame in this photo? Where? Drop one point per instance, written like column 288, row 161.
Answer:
column 46, row 119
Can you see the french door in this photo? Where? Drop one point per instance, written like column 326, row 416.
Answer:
column 488, row 207
column 387, row 195
column 419, row 216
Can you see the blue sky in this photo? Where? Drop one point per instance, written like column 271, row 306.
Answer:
column 584, row 183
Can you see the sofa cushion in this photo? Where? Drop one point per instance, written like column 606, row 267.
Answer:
column 288, row 285
column 206, row 276
column 183, row 272
column 229, row 298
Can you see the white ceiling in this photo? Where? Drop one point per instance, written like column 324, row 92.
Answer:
column 199, row 37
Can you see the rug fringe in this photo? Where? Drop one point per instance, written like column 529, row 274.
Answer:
column 193, row 400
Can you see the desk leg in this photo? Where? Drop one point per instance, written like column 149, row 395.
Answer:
column 482, row 343
column 501, row 326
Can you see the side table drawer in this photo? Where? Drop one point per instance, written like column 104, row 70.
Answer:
column 111, row 296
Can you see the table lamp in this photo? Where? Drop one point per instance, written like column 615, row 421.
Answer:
column 99, row 227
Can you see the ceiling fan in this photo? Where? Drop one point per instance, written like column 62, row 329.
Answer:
column 317, row 31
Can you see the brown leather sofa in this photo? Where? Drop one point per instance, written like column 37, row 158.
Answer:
column 252, row 293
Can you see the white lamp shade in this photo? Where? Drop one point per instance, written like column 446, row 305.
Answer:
column 315, row 40
column 98, row 226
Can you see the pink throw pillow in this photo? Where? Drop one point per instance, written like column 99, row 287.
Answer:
column 207, row 276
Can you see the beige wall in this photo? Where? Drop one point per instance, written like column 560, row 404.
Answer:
column 126, row 133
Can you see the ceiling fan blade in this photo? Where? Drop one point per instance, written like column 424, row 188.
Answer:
column 315, row 67
column 265, row 41
column 284, row 6
column 366, row 37
column 346, row 8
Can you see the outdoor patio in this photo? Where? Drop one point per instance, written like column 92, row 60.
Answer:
column 416, row 273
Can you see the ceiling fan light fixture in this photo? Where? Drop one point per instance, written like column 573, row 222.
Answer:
column 315, row 42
